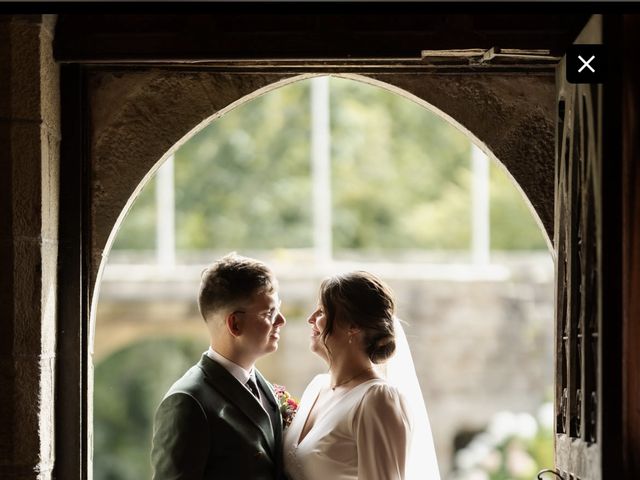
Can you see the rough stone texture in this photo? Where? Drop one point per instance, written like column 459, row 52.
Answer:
column 24, row 68
column 29, row 168
column 50, row 181
column 27, row 285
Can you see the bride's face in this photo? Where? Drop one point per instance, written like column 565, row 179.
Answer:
column 318, row 323
column 333, row 342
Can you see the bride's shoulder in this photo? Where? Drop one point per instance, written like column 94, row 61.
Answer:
column 380, row 388
column 380, row 396
column 381, row 401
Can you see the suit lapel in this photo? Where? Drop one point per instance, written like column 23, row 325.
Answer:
column 276, row 417
column 267, row 389
column 227, row 385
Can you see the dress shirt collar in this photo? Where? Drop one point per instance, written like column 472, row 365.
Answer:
column 234, row 369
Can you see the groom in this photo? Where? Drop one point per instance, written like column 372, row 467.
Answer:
column 221, row 419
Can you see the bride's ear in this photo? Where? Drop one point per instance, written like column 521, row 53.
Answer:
column 353, row 330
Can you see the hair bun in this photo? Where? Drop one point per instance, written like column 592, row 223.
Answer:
column 382, row 348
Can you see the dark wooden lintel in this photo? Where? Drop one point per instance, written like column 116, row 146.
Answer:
column 367, row 35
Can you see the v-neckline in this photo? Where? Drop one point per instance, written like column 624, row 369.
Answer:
column 306, row 419
column 300, row 438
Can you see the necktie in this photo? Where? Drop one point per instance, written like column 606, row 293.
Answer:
column 253, row 387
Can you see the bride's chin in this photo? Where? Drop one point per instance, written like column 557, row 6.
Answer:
column 315, row 347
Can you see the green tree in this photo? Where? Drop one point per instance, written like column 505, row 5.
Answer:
column 400, row 179
column 513, row 226
column 137, row 230
column 245, row 180
column 128, row 387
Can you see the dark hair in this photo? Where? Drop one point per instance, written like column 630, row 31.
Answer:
column 361, row 299
column 230, row 280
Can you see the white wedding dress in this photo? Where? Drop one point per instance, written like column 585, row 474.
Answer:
column 363, row 433
column 370, row 432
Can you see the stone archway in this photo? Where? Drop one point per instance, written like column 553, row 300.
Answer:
column 159, row 111
column 139, row 118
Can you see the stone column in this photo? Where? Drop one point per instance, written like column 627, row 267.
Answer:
column 29, row 179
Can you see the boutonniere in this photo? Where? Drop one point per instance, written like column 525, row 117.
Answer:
column 288, row 404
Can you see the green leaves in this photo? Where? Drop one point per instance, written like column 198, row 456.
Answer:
column 129, row 386
column 400, row 179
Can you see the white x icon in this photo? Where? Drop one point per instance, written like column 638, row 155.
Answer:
column 585, row 64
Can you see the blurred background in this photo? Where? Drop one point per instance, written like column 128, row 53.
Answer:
column 318, row 177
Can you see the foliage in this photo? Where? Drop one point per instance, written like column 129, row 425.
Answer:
column 514, row 447
column 137, row 230
column 512, row 224
column 128, row 388
column 400, row 179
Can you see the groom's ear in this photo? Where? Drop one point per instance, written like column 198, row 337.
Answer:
column 233, row 323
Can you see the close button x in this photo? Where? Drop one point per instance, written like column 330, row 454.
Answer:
column 586, row 64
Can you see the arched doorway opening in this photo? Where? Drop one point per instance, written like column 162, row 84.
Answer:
column 113, row 236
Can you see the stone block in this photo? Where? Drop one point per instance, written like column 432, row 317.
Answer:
column 48, row 23
column 49, row 84
column 7, row 404
column 26, row 19
column 46, row 409
column 26, row 153
column 27, row 298
column 19, row 427
column 27, row 410
column 21, row 472
column 50, row 194
column 49, row 298
column 5, row 68
column 24, row 71
column 6, row 297
column 6, row 174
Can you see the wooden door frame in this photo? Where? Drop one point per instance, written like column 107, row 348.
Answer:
column 620, row 370
column 631, row 248
column 611, row 334
column 72, row 389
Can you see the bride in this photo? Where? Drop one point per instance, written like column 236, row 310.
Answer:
column 360, row 421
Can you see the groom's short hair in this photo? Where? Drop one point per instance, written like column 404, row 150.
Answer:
column 232, row 280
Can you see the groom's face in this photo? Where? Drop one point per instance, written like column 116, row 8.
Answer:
column 261, row 324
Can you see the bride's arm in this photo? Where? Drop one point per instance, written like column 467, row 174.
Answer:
column 383, row 431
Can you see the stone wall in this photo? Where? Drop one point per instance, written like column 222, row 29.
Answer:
column 29, row 179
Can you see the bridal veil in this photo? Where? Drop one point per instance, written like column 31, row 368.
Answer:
column 400, row 372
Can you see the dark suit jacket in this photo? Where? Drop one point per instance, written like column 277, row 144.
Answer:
column 210, row 427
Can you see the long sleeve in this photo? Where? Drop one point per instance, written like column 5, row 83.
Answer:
column 383, row 430
column 180, row 439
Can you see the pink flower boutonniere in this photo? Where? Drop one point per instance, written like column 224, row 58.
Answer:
column 288, row 404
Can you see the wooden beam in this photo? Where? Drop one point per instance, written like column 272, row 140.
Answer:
column 72, row 374
column 314, row 32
